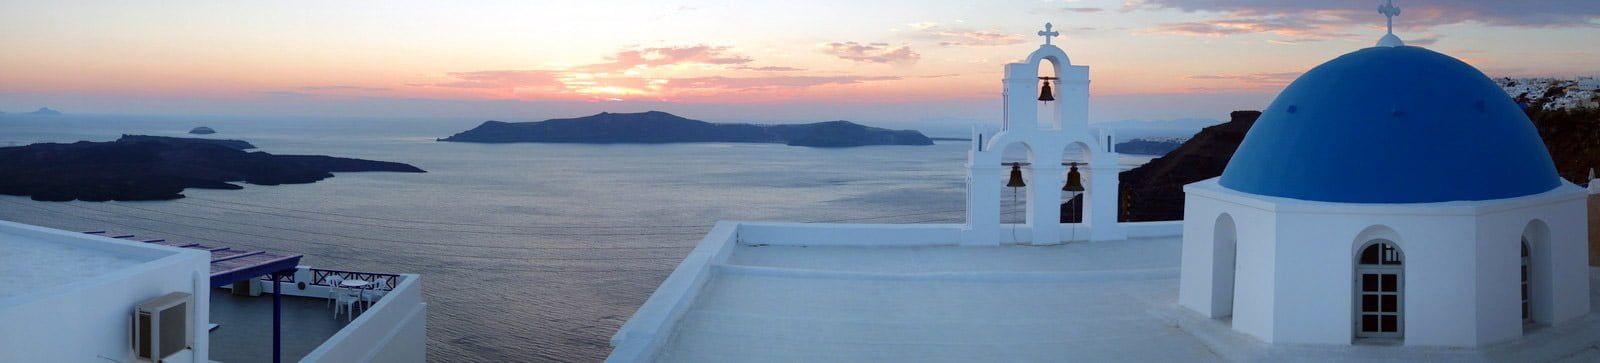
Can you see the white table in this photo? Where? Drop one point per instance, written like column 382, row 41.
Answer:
column 355, row 283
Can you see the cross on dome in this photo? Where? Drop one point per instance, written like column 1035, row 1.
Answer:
column 1389, row 11
column 1047, row 33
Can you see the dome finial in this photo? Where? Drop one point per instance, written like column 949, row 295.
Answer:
column 1389, row 11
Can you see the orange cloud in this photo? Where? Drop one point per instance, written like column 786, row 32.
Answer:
column 664, row 56
column 500, row 79
column 1302, row 27
column 632, row 73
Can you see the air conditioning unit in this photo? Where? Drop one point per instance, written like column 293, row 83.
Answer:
column 161, row 327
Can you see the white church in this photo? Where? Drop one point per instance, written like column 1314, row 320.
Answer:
column 1390, row 204
column 1392, row 193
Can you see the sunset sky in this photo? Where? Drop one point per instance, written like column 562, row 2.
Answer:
column 765, row 61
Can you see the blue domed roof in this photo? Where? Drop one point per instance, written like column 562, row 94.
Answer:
column 1392, row 125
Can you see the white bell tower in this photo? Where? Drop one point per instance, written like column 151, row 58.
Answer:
column 1065, row 130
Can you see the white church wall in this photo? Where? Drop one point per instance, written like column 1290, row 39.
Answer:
column 1555, row 225
column 1074, row 87
column 1196, row 268
column 1296, row 259
column 983, row 209
column 1568, row 255
column 1045, row 176
column 1251, row 298
column 1255, row 270
column 1499, row 258
column 1316, row 298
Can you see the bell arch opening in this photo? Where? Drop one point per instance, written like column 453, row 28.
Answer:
column 1075, row 191
column 1016, row 160
column 1049, row 105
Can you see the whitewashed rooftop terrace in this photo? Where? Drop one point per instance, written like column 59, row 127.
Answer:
column 748, row 301
column 33, row 259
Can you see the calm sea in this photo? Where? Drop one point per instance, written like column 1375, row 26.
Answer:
column 529, row 252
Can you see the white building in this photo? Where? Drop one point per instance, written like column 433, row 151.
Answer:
column 91, row 297
column 1393, row 193
column 1390, row 166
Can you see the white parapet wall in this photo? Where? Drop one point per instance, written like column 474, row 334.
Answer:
column 819, row 234
column 393, row 330
column 79, row 316
column 651, row 326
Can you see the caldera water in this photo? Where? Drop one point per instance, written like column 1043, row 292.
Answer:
column 528, row 252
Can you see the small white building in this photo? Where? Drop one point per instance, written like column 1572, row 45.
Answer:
column 68, row 297
column 1393, row 194
column 95, row 297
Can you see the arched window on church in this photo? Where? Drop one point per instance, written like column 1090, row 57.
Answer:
column 1380, row 291
column 1527, row 311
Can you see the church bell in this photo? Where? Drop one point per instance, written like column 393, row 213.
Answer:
column 1074, row 180
column 1016, row 176
column 1044, row 92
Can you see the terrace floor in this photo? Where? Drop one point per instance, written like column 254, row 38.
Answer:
column 1086, row 301
column 245, row 334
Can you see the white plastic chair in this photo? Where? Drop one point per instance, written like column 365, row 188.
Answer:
column 333, row 290
column 347, row 302
column 371, row 294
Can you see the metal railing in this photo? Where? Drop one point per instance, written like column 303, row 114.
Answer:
column 319, row 277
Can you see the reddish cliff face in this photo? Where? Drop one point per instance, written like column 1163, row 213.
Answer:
column 1573, row 138
column 1154, row 191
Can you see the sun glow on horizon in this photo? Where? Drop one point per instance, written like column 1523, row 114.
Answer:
column 741, row 53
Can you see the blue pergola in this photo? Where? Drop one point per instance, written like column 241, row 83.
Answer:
column 229, row 265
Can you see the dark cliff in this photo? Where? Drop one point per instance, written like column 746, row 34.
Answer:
column 1148, row 147
column 1154, row 191
column 159, row 168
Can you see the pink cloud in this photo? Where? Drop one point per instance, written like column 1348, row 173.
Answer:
column 618, row 78
column 872, row 53
column 1260, row 78
column 1304, row 27
column 336, row 88
column 751, row 83
column 947, row 36
column 1312, row 20
column 769, row 68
